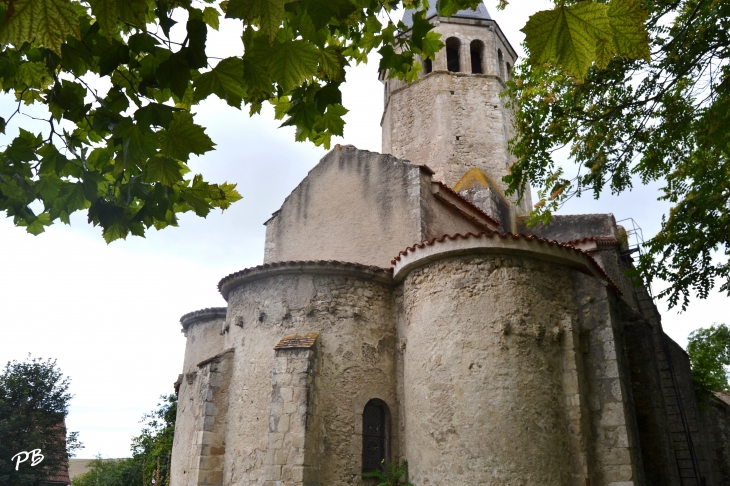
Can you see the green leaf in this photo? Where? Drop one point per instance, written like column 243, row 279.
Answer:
column 630, row 36
column 184, row 137
column 48, row 22
column 211, row 17
column 567, row 36
column 431, row 45
column 270, row 13
column 164, row 170
column 133, row 12
column 38, row 226
column 332, row 63
column 107, row 15
column 293, row 62
column 225, row 80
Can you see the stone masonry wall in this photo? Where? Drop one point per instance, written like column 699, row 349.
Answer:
column 204, row 341
column 206, row 399
column 654, row 427
column 354, row 206
column 355, row 363
column 484, row 399
column 715, row 417
column 691, row 412
column 615, row 449
column 292, row 457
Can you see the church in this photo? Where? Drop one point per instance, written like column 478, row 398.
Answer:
column 404, row 310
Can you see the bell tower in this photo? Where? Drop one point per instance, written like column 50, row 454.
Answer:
column 452, row 118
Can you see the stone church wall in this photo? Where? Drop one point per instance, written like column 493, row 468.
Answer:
column 354, row 359
column 484, row 398
column 715, row 416
column 354, row 206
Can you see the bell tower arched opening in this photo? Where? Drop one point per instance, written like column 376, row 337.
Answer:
column 477, row 51
column 453, row 46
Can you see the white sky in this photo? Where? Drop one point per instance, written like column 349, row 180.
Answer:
column 110, row 314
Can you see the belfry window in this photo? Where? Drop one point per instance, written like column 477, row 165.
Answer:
column 500, row 61
column 509, row 72
column 427, row 66
column 453, row 46
column 477, row 48
column 374, row 435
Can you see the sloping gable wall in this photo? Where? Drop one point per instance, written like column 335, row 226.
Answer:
column 354, row 206
column 362, row 207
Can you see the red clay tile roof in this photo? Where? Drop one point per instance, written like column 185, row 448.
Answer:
column 223, row 285
column 202, row 315
column 600, row 240
column 513, row 236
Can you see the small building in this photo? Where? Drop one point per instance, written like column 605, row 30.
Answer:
column 405, row 311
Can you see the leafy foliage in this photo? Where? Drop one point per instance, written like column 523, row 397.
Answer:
column 151, row 453
column 121, row 152
column 391, row 474
column 573, row 37
column 709, row 354
column 111, row 472
column 661, row 121
column 33, row 405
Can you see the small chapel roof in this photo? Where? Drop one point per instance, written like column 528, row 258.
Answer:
column 481, row 13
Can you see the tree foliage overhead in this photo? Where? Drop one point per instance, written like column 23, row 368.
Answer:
column 120, row 78
column 34, row 402
column 664, row 120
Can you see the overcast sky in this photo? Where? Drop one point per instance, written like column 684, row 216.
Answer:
column 110, row 314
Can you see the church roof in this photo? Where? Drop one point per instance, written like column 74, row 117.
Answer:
column 480, row 13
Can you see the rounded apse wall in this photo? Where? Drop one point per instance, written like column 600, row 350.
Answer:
column 350, row 307
column 482, row 371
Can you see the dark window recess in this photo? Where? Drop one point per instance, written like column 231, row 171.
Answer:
column 476, row 48
column 427, row 66
column 373, row 436
column 452, row 54
column 500, row 61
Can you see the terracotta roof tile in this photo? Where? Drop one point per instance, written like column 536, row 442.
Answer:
column 513, row 236
column 377, row 271
column 600, row 240
column 202, row 315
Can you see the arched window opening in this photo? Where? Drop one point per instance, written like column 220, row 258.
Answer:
column 509, row 71
column 453, row 45
column 374, row 435
column 500, row 60
column 427, row 66
column 477, row 48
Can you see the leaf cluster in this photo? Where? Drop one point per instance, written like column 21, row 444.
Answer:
column 121, row 153
column 390, row 474
column 709, row 355
column 660, row 121
column 34, row 402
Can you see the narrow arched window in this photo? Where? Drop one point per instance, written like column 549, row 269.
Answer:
column 477, row 48
column 427, row 66
column 453, row 45
column 500, row 60
column 509, row 71
column 374, row 435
